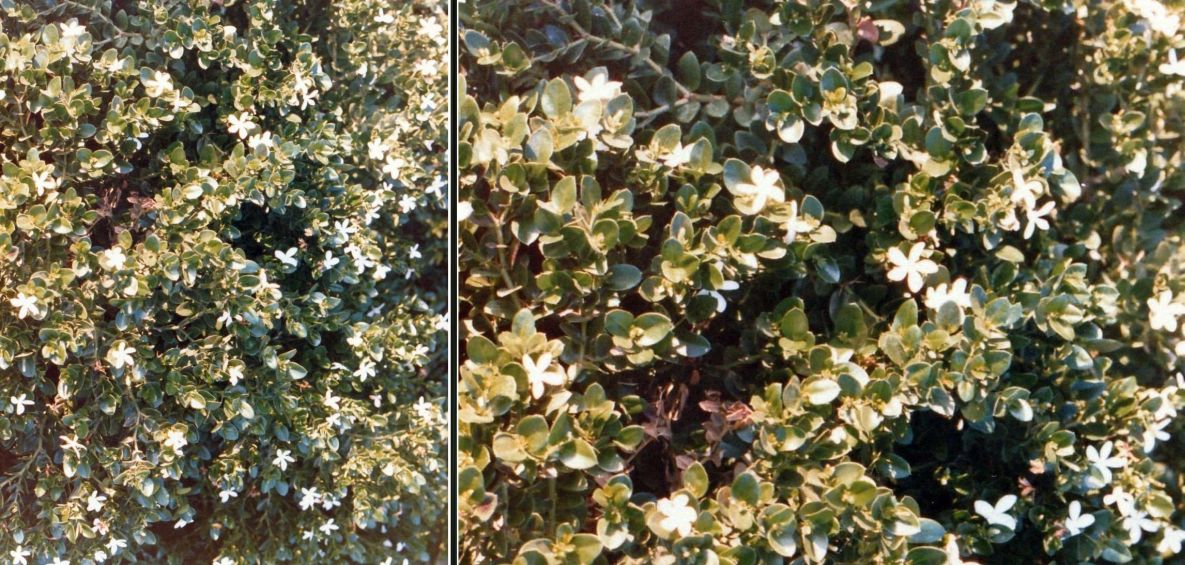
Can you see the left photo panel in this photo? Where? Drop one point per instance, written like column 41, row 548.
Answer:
column 223, row 270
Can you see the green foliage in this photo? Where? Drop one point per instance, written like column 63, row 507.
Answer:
column 222, row 232
column 839, row 281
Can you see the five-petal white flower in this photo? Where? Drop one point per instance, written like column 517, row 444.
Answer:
column 762, row 188
column 1138, row 523
column 1155, row 433
column 120, row 355
column 1163, row 312
column 26, row 305
column 1035, row 218
column 94, row 502
column 283, row 458
column 912, row 268
column 599, row 88
column 240, row 124
column 1102, row 460
column 678, row 515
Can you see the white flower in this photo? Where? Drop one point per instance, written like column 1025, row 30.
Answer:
column 227, row 494
column 954, row 292
column 998, row 514
column 1036, row 219
column 1156, row 16
column 20, row 402
column 44, row 181
column 236, row 374
column 331, row 401
column 71, row 443
column 1155, row 433
column 328, row 527
column 71, row 30
column 721, row 303
column 407, row 203
column 365, row 370
column 414, row 252
column 393, row 165
column 175, row 440
column 240, row 124
column 425, row 410
column 678, row 156
column 18, row 555
column 1102, row 460
column 1076, row 521
column 1025, row 191
column 762, row 188
column 1171, row 541
column 120, row 355
column 1137, row 524
column 261, row 140
column 795, row 225
column 431, row 28
column 1173, row 67
column 1163, row 312
column 309, row 497
column 57, row 560
column 288, row 257
column 100, row 556
column 384, row 18
column 113, row 259
column 330, row 260
column 158, row 84
column 540, row 374
column 26, row 305
column 678, row 515
column 283, row 458
column 427, row 67
column 1121, row 500
column 115, row 544
column 911, row 268
column 600, row 88
column 223, row 561
column 94, row 503
column 376, row 149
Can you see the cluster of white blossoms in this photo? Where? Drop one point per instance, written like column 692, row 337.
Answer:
column 1024, row 196
column 304, row 92
column 1155, row 16
column 593, row 92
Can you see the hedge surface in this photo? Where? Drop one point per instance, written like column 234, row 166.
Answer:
column 821, row 280
column 222, row 225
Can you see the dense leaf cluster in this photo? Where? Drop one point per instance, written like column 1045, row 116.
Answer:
column 825, row 280
column 221, row 326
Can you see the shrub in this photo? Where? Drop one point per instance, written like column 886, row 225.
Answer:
column 222, row 228
column 838, row 281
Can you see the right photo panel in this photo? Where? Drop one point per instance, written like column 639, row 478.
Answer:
column 818, row 281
